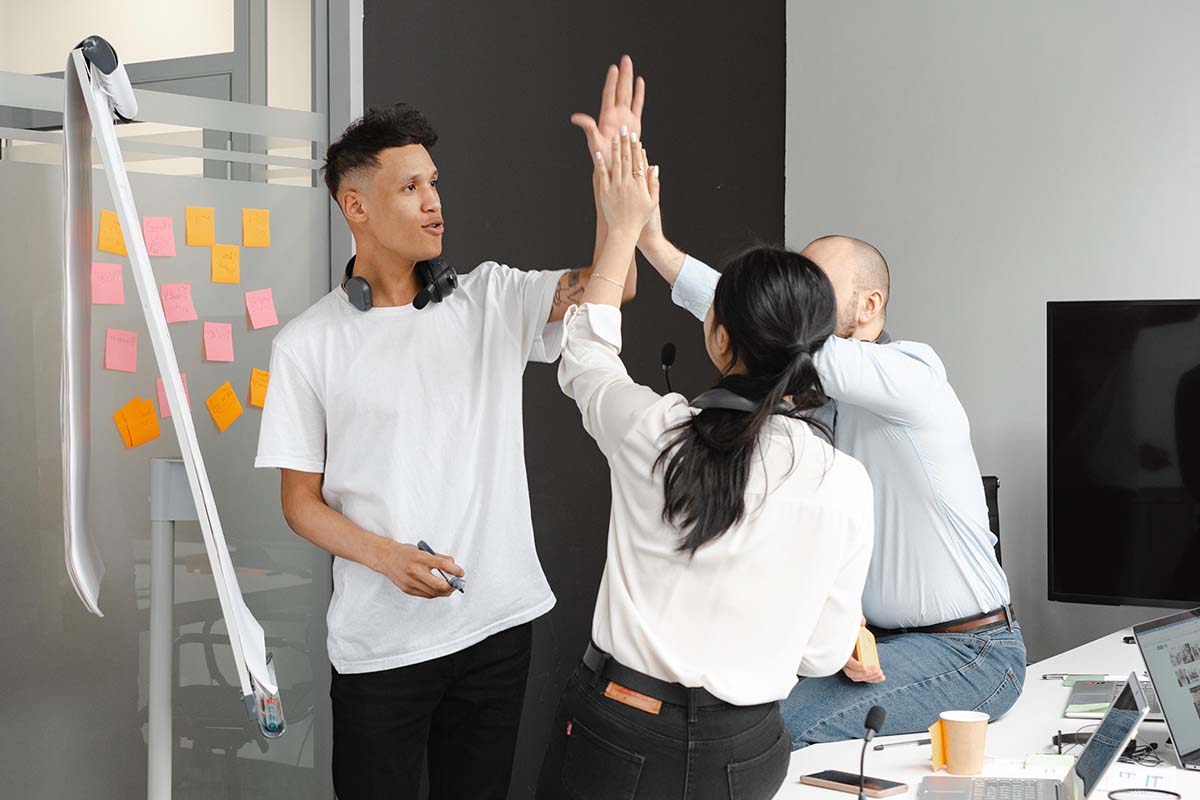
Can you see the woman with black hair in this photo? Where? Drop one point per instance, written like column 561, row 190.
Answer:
column 738, row 539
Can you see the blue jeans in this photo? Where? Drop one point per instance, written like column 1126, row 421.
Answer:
column 926, row 674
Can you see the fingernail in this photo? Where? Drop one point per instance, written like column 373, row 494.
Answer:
column 599, row 156
column 633, row 136
column 624, row 130
column 656, row 170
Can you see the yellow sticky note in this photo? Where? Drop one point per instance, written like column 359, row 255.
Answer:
column 865, row 649
column 259, row 378
column 225, row 267
column 201, row 231
column 937, row 741
column 256, row 227
column 111, row 238
column 224, row 406
column 137, row 422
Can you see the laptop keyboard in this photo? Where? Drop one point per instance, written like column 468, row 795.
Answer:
column 992, row 789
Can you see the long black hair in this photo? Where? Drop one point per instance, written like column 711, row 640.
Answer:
column 778, row 308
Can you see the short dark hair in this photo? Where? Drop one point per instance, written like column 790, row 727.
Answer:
column 378, row 129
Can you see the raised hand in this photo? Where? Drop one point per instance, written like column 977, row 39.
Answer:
column 621, row 104
column 629, row 189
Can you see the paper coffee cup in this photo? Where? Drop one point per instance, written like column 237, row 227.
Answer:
column 957, row 740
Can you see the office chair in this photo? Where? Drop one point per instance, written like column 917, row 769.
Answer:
column 991, row 491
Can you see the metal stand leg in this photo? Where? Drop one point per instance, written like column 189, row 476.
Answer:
column 162, row 607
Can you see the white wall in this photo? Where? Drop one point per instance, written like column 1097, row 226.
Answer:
column 1002, row 155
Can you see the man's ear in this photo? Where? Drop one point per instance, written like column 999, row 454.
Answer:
column 353, row 206
column 872, row 307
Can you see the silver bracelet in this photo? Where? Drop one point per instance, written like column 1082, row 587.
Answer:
column 606, row 278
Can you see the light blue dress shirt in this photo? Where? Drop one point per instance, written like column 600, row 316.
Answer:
column 896, row 413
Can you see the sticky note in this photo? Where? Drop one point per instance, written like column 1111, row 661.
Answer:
column 164, row 408
column 261, row 307
column 136, row 422
column 177, row 302
column 937, row 746
column 225, row 264
column 120, row 350
column 108, row 287
column 218, row 341
column 259, row 378
column 111, row 238
column 224, row 406
column 865, row 649
column 256, row 227
column 201, row 231
column 160, row 235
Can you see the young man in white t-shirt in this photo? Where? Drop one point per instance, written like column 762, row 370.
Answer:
column 398, row 424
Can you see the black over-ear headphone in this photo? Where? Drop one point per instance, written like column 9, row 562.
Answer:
column 721, row 397
column 439, row 279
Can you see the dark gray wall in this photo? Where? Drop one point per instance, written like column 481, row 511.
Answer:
column 499, row 82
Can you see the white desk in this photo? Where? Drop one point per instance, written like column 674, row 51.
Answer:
column 1027, row 728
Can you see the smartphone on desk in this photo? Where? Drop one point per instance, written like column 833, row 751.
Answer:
column 848, row 782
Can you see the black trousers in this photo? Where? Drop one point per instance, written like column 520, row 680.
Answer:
column 462, row 709
column 600, row 748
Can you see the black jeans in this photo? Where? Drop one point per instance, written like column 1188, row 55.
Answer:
column 600, row 748
column 463, row 708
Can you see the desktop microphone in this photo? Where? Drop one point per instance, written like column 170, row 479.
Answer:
column 667, row 358
column 873, row 723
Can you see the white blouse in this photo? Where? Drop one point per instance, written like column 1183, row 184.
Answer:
column 777, row 595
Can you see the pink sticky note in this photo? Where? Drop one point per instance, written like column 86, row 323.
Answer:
column 261, row 306
column 218, row 341
column 164, row 409
column 160, row 235
column 108, row 287
column 120, row 350
column 177, row 302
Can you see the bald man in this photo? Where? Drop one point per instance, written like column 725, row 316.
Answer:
column 936, row 597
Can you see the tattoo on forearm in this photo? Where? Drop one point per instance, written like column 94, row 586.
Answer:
column 572, row 292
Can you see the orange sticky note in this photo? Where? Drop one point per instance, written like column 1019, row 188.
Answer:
column 261, row 307
column 108, row 287
column 865, row 649
column 225, row 267
column 136, row 422
column 259, row 378
column 224, row 406
column 256, row 227
column 159, row 233
column 111, row 238
column 218, row 341
column 937, row 746
column 120, row 350
column 177, row 302
column 164, row 408
column 201, row 231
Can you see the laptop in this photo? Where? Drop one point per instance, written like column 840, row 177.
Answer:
column 1171, row 649
column 1091, row 699
column 1102, row 750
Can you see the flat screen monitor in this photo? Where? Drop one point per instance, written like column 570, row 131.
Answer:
column 1123, row 420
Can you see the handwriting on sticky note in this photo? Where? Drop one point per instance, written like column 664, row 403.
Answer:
column 111, row 238
column 225, row 264
column 108, row 287
column 256, row 227
column 136, row 422
column 259, row 378
column 160, row 235
column 120, row 350
column 177, row 302
column 224, row 406
column 164, row 408
column 201, row 230
column 218, row 341
column 261, row 307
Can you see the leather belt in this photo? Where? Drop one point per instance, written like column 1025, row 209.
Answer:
column 604, row 666
column 1001, row 617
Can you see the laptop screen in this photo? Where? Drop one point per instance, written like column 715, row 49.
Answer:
column 1108, row 740
column 1171, row 649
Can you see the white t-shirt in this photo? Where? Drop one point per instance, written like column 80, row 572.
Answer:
column 414, row 417
column 776, row 595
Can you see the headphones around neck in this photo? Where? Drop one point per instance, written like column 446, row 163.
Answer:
column 439, row 279
column 721, row 397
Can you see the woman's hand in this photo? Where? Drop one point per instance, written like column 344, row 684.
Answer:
column 629, row 188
